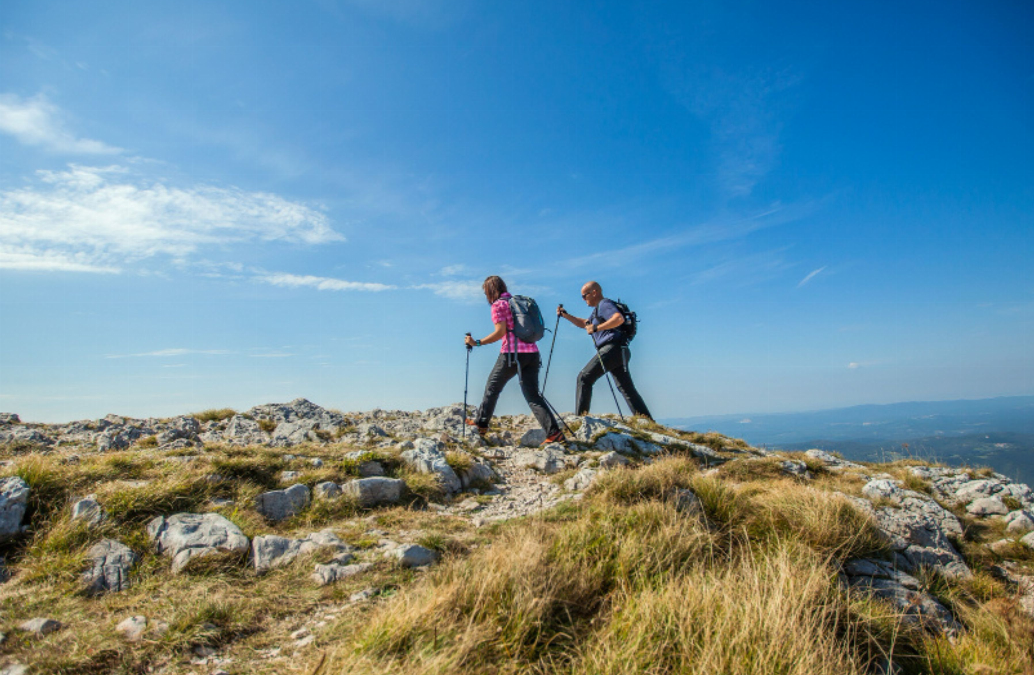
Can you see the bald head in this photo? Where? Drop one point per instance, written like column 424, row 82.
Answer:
column 592, row 293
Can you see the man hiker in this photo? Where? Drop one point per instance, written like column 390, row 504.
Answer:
column 604, row 325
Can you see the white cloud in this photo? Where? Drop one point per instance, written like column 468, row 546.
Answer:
column 37, row 121
column 321, row 283
column 176, row 351
column 452, row 270
column 468, row 291
column 811, row 276
column 852, row 365
column 96, row 219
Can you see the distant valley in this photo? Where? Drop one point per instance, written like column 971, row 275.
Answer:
column 996, row 432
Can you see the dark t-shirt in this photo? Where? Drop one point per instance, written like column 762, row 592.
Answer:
column 604, row 311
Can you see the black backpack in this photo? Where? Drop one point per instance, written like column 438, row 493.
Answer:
column 631, row 325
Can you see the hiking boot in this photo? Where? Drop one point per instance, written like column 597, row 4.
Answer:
column 555, row 437
column 481, row 430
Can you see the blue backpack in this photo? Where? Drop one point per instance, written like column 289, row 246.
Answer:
column 528, row 325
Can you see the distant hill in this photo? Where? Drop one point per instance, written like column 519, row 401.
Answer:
column 996, row 432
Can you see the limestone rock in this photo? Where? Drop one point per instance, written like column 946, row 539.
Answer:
column 987, row 506
column 280, row 504
column 110, row 563
column 40, row 627
column 427, row 457
column 185, row 536
column 478, row 473
column 795, row 467
column 292, row 433
column 241, row 430
column 919, row 529
column 1019, row 522
column 831, row 461
column 327, row 490
column 334, row 572
column 617, row 442
column 881, row 580
column 976, row 489
column 533, row 438
column 687, row 502
column 591, row 426
column 132, row 628
column 375, row 490
column 412, row 555
column 270, row 551
column 89, row 510
column 14, row 493
column 549, row 459
column 371, row 468
column 612, row 459
column 581, row 480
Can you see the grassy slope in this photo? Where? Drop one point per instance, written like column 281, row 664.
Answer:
column 619, row 582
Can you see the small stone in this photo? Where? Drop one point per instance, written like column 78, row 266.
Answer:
column 327, row 490
column 1019, row 522
column 612, row 459
column 14, row 669
column 89, row 510
column 132, row 628
column 533, row 438
column 795, row 467
column 371, row 468
column 333, row 572
column 375, row 490
column 281, row 504
column 987, row 506
column 40, row 626
column 413, row 555
column 316, row 462
column 687, row 502
column 362, row 595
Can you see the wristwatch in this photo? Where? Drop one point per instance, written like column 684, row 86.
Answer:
column 477, row 342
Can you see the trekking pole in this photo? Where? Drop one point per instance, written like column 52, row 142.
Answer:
column 466, row 380
column 553, row 344
column 606, row 374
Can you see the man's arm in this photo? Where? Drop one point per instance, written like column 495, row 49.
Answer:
column 580, row 323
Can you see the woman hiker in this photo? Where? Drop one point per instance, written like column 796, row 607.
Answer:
column 506, row 366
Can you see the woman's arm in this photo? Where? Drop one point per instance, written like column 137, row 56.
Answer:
column 494, row 336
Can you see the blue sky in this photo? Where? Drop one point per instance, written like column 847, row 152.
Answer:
column 209, row 204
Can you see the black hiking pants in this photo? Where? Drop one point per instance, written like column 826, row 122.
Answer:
column 615, row 358
column 503, row 371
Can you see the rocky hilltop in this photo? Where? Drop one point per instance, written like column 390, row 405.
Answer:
column 292, row 538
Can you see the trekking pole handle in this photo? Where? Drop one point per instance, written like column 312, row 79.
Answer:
column 468, row 346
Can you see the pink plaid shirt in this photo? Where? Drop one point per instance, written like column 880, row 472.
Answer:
column 500, row 312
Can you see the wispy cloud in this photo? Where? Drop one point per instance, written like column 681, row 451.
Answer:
column 698, row 235
column 96, row 219
column 176, row 351
column 452, row 270
column 38, row 122
column 467, row 291
column 272, row 355
column 747, row 269
column 321, row 283
column 742, row 108
column 811, row 275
